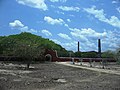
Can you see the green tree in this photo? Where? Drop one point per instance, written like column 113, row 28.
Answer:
column 29, row 52
column 71, row 53
column 117, row 55
column 63, row 53
column 108, row 54
column 77, row 54
column 91, row 54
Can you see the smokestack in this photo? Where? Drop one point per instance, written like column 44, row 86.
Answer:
column 99, row 48
column 78, row 46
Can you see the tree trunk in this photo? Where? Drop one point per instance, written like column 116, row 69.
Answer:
column 28, row 65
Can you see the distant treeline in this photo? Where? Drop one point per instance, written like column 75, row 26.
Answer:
column 89, row 54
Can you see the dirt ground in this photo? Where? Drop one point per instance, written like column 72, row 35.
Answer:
column 51, row 76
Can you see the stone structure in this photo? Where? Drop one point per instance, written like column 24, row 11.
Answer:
column 54, row 58
column 78, row 46
column 99, row 48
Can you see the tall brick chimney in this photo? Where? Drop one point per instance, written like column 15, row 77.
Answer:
column 78, row 46
column 99, row 48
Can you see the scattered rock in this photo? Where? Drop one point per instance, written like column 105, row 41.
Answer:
column 59, row 80
column 3, row 78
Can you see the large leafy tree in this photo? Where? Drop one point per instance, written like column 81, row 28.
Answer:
column 29, row 52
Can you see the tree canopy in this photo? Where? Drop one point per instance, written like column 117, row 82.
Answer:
column 9, row 44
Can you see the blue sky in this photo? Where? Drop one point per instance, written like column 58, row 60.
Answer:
column 64, row 21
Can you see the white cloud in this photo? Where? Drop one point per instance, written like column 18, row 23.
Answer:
column 118, row 9
column 60, row 12
column 70, row 45
column 64, row 36
column 16, row 24
column 65, row 8
column 39, row 4
column 68, row 20
column 92, row 33
column 66, row 25
column 32, row 30
column 77, row 35
column 56, row 41
column 54, row 21
column 84, row 34
column 111, row 41
column 24, row 29
column 86, row 46
column 114, row 21
column 114, row 2
column 46, row 32
column 99, row 14
column 58, row 0
column 72, row 15
column 88, row 38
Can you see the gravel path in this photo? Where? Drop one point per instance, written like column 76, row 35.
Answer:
column 51, row 76
column 76, row 65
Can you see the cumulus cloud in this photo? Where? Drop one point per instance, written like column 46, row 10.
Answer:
column 99, row 14
column 64, row 36
column 118, row 9
column 58, row 0
column 88, row 38
column 26, row 29
column 65, row 8
column 16, row 24
column 46, row 32
column 70, row 45
column 53, row 21
column 23, row 29
column 39, row 4
column 111, row 41
column 87, row 33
